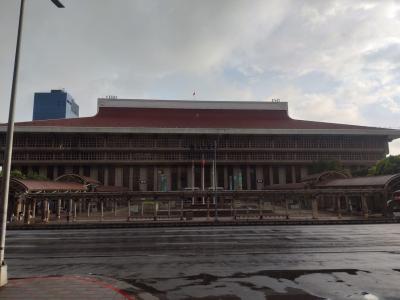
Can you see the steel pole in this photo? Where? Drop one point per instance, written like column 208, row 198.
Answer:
column 10, row 134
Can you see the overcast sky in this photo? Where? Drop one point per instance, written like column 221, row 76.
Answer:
column 334, row 61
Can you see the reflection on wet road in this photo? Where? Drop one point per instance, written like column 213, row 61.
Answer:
column 278, row 262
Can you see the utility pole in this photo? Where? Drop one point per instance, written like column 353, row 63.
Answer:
column 9, row 145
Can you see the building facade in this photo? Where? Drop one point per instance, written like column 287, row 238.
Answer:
column 57, row 104
column 165, row 145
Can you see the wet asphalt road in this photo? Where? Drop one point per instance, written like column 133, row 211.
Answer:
column 277, row 262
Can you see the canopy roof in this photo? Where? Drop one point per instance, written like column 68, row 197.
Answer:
column 372, row 181
column 28, row 185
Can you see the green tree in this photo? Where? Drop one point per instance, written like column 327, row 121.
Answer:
column 386, row 166
column 14, row 174
column 19, row 175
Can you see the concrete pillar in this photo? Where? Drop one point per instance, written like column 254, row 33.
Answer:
column 189, row 176
column 167, row 172
column 286, row 207
column 203, row 175
column 179, row 183
column 339, row 209
column 118, row 176
column 282, row 175
column 27, row 211
column 59, row 209
column 143, row 179
column 34, row 209
column 70, row 208
column 74, row 218
column 248, row 181
column 314, row 207
column 259, row 178
column 43, row 208
column 48, row 211
column 105, row 175
column 192, row 174
column 102, row 210
column 129, row 209
column 271, row 175
column 88, row 208
column 364, row 206
column 226, row 179
column 131, row 178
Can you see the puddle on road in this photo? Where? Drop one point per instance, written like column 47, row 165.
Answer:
column 277, row 285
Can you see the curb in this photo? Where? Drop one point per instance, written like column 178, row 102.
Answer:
column 150, row 224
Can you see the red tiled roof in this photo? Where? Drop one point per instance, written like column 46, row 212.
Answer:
column 360, row 181
column 42, row 185
column 190, row 118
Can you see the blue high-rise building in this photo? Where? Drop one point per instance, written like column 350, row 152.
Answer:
column 57, row 104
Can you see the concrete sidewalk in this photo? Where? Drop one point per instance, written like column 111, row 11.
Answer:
column 70, row 287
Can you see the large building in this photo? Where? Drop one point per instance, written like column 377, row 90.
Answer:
column 161, row 145
column 57, row 104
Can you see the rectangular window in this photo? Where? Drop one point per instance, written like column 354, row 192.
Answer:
column 220, row 176
column 253, row 179
column 125, row 177
column 289, row 174
column 174, row 178
column 150, row 178
column 243, row 171
column 297, row 170
column 267, row 181
column 50, row 172
column 136, row 178
column 60, row 171
column 111, row 176
column 75, row 169
column 100, row 175
column 275, row 174
column 86, row 171
column 183, row 178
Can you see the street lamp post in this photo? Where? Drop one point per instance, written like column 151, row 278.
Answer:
column 9, row 145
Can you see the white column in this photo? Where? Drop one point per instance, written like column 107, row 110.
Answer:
column 282, row 175
column 143, row 178
column 105, row 175
column 118, row 176
column 259, row 177
column 131, row 178
column 226, row 179
column 271, row 175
